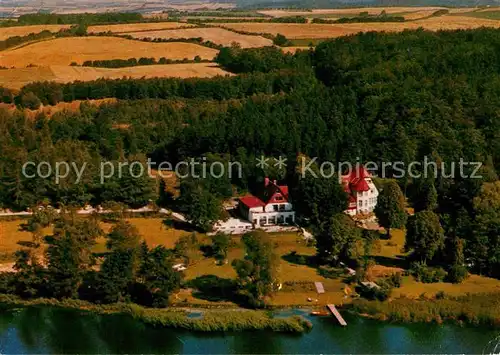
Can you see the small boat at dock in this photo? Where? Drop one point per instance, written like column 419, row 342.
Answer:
column 320, row 313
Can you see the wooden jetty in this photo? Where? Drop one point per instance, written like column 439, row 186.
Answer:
column 336, row 313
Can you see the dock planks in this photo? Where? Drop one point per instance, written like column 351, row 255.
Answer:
column 337, row 315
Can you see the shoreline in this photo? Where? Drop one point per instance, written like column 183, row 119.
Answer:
column 473, row 310
column 236, row 319
column 399, row 311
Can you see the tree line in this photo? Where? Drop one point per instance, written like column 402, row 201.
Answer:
column 133, row 62
column 71, row 19
column 218, row 88
column 14, row 41
column 284, row 19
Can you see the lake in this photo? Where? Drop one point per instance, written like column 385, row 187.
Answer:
column 55, row 331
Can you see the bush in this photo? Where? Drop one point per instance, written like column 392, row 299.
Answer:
column 6, row 95
column 330, row 272
column 281, row 40
column 457, row 274
column 421, row 272
column 395, row 280
column 440, row 295
column 380, row 293
column 31, row 101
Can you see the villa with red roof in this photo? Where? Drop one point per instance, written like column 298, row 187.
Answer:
column 361, row 191
column 272, row 208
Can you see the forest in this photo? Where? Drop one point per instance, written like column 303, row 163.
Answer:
column 375, row 97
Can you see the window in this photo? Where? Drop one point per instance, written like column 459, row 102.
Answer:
column 282, row 207
column 262, row 221
column 275, row 207
column 360, row 203
column 279, row 198
column 271, row 220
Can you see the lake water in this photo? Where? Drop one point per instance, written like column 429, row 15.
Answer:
column 52, row 331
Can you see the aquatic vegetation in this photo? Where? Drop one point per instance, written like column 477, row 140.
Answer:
column 478, row 309
column 220, row 320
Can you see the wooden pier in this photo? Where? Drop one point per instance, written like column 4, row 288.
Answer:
column 337, row 315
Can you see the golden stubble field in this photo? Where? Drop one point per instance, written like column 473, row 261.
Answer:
column 64, row 51
column 303, row 31
column 370, row 10
column 17, row 78
column 348, row 11
column 133, row 27
column 214, row 34
column 6, row 32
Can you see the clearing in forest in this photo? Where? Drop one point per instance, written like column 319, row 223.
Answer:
column 64, row 51
column 17, row 78
column 214, row 34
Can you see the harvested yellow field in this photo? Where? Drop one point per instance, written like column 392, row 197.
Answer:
column 134, row 27
column 461, row 10
column 418, row 15
column 64, row 51
column 7, row 32
column 303, row 31
column 348, row 11
column 217, row 35
column 17, row 78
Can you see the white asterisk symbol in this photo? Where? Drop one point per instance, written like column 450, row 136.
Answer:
column 262, row 162
column 280, row 162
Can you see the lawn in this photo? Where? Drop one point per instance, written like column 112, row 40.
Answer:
column 297, row 278
column 391, row 254
column 297, row 271
column 393, row 247
column 152, row 230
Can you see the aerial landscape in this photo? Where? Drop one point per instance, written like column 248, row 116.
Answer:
column 249, row 177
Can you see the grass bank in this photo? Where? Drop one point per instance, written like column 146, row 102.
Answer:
column 210, row 321
column 478, row 309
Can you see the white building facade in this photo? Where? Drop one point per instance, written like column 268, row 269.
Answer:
column 361, row 190
column 273, row 209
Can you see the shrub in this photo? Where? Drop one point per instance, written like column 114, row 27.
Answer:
column 330, row 272
column 457, row 274
column 395, row 280
column 421, row 272
column 6, row 95
column 440, row 295
column 31, row 101
column 280, row 40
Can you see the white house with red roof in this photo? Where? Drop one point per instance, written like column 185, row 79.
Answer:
column 361, row 191
column 273, row 208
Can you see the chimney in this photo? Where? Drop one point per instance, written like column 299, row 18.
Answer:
column 266, row 181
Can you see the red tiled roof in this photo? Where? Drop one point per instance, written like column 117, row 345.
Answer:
column 355, row 180
column 252, row 201
column 284, row 190
column 271, row 194
column 361, row 185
